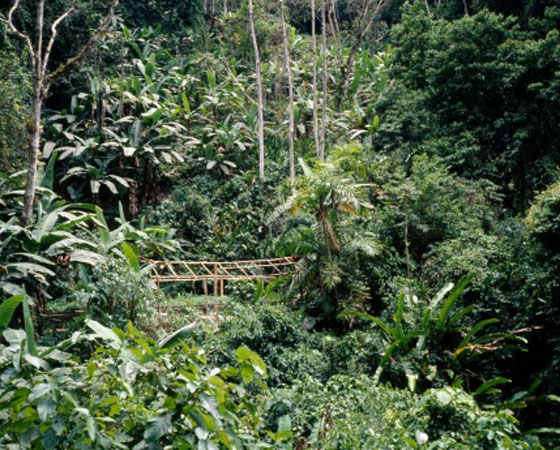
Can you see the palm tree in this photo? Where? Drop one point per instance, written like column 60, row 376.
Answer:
column 321, row 230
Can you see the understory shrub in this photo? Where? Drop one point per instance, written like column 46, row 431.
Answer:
column 119, row 294
column 132, row 393
column 275, row 333
column 351, row 413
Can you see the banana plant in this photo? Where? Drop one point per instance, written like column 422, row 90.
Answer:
column 94, row 175
column 150, row 241
column 32, row 253
column 216, row 161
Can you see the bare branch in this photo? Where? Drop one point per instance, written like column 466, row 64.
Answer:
column 372, row 17
column 54, row 32
column 99, row 33
column 427, row 7
column 10, row 23
column 361, row 32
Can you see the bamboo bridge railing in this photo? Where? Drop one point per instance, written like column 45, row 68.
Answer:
column 218, row 272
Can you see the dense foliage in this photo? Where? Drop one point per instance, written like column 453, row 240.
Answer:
column 424, row 310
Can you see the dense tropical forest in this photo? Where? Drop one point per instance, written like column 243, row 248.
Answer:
column 405, row 155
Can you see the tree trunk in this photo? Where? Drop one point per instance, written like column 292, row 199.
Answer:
column 33, row 154
column 260, row 101
column 315, row 102
column 35, row 122
column 288, row 68
column 150, row 192
column 39, row 56
column 212, row 15
column 325, row 75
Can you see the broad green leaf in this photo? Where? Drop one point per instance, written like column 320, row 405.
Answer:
column 157, row 427
column 186, row 104
column 443, row 397
column 441, row 294
column 457, row 292
column 131, row 256
column 30, row 269
column 104, row 333
column 476, row 329
column 46, row 408
column 484, row 388
column 91, row 428
column 178, row 336
column 7, row 309
column 246, row 355
column 86, row 257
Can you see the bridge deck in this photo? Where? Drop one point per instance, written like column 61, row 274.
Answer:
column 220, row 271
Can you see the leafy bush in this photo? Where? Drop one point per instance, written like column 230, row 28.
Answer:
column 132, row 393
column 351, row 413
column 118, row 294
column 272, row 331
column 14, row 96
column 543, row 218
column 356, row 351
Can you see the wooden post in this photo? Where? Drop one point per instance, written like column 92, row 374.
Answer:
column 205, row 287
column 159, row 302
column 221, row 288
column 215, row 280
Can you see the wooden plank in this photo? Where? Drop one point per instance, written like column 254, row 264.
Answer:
column 186, row 264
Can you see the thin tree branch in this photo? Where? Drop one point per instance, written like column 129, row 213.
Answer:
column 10, row 23
column 373, row 16
column 360, row 35
column 100, row 32
column 428, row 7
column 54, row 32
column 333, row 21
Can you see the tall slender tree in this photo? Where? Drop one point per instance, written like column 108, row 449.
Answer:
column 260, row 100
column 315, row 101
column 288, row 68
column 42, row 81
column 325, row 78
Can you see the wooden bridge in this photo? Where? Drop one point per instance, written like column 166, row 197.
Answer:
column 217, row 272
